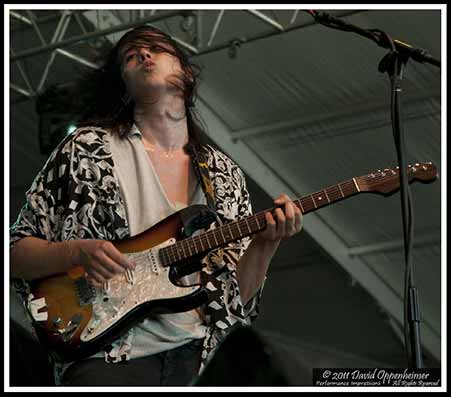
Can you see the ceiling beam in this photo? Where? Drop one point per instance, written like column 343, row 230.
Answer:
column 263, row 17
column 395, row 245
column 215, row 27
column 349, row 112
column 21, row 90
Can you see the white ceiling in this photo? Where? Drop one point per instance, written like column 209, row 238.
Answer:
column 300, row 110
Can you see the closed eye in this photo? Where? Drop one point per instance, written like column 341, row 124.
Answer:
column 130, row 56
column 157, row 48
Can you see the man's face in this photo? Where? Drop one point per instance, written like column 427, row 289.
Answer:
column 148, row 67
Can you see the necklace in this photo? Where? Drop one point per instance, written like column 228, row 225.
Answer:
column 168, row 154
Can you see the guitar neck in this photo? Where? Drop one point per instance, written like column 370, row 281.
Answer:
column 247, row 226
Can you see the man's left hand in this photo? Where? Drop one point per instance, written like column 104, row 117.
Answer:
column 285, row 223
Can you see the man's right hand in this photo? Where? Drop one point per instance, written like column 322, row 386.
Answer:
column 101, row 259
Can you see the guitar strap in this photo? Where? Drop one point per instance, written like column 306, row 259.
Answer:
column 200, row 166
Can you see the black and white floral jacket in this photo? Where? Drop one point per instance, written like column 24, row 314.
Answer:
column 76, row 196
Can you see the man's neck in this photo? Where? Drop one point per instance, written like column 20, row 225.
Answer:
column 163, row 123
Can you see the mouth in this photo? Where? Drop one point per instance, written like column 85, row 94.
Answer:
column 148, row 65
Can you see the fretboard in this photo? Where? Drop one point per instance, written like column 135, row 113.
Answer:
column 247, row 226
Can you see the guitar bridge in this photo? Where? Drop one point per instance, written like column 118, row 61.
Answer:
column 68, row 331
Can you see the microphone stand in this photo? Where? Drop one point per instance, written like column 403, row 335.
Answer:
column 394, row 64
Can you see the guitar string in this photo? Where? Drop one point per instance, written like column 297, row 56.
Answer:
column 207, row 236
column 308, row 203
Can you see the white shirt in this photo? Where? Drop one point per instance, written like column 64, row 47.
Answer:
column 146, row 204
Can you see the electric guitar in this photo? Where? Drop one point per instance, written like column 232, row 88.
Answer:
column 76, row 319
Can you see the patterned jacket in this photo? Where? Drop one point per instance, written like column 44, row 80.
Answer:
column 76, row 196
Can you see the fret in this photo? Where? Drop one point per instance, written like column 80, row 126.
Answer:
column 313, row 199
column 341, row 191
column 189, row 248
column 247, row 224
column 256, row 220
column 251, row 225
column 201, row 245
column 174, row 252
column 357, row 186
column 208, row 241
column 239, row 229
column 181, row 253
column 300, row 205
column 327, row 196
column 196, row 248
column 304, row 207
column 193, row 246
column 225, row 232
column 232, row 237
column 185, row 255
column 220, row 229
column 214, row 235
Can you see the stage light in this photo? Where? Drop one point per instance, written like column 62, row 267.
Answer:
column 71, row 128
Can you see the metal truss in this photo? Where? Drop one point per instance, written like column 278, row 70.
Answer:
column 195, row 30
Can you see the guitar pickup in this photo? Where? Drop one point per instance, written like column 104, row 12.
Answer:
column 130, row 276
column 85, row 291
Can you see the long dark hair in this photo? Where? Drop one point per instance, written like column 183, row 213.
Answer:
column 106, row 102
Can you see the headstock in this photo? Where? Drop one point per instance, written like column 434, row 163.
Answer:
column 387, row 180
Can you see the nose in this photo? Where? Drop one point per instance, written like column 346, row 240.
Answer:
column 143, row 55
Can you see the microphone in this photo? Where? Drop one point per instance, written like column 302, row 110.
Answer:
column 380, row 37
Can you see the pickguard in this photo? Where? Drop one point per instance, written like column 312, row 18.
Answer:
column 148, row 281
